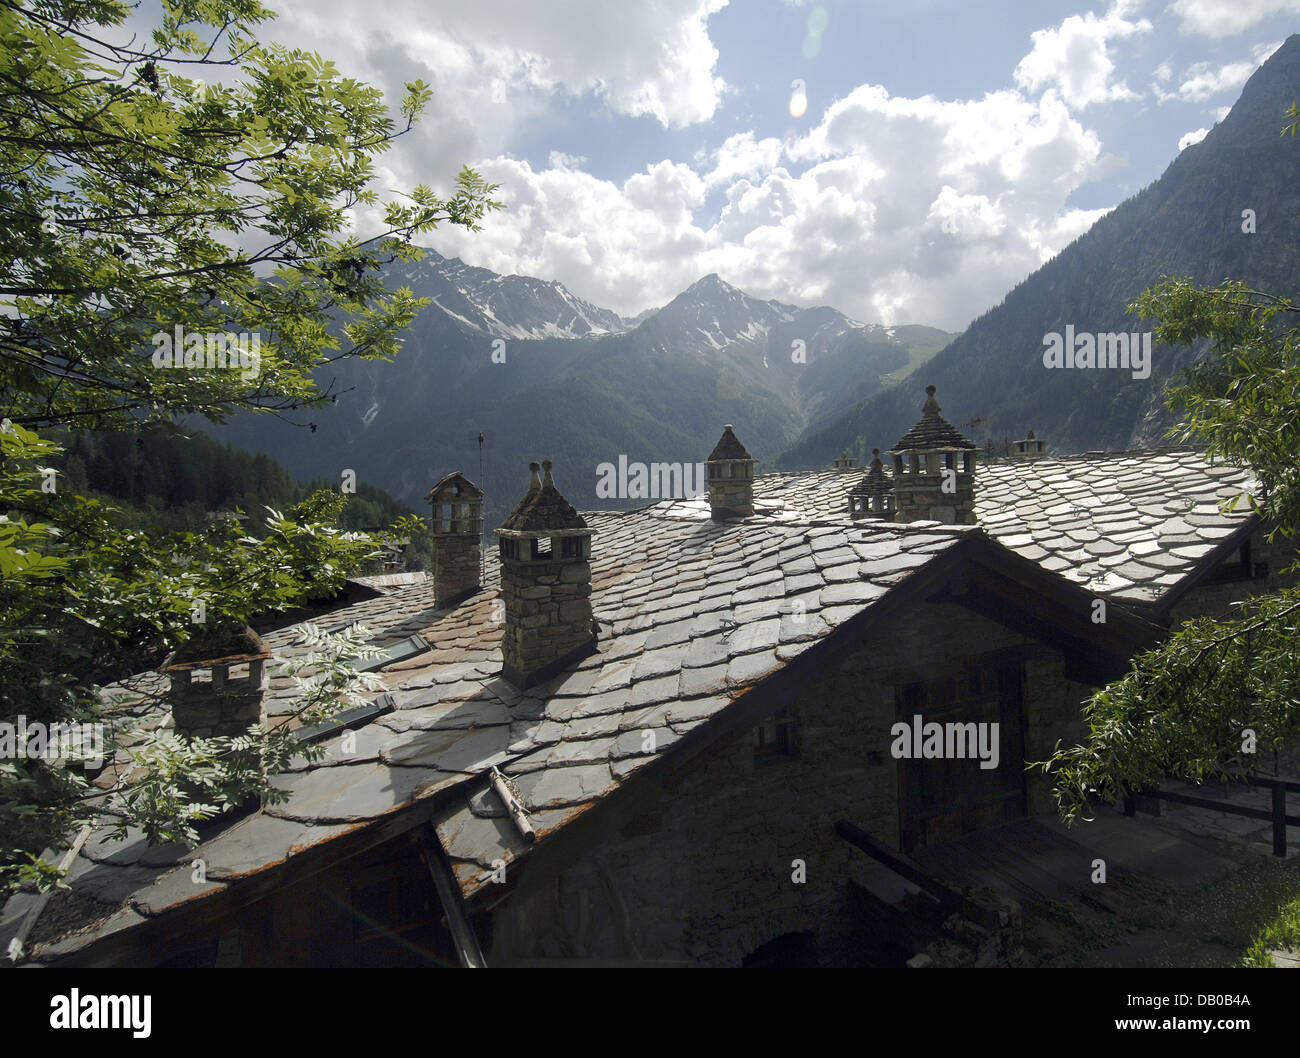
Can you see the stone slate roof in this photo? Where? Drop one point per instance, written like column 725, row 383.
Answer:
column 694, row 615
column 467, row 487
column 1128, row 525
column 543, row 508
column 932, row 431
column 728, row 447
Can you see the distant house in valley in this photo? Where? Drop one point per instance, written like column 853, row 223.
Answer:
column 669, row 734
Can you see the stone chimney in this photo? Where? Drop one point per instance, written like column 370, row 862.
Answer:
column 934, row 470
column 545, row 584
column 730, row 473
column 457, row 505
column 845, row 462
column 872, row 497
column 206, row 701
column 1029, row 448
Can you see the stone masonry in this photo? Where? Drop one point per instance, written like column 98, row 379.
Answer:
column 456, row 565
column 457, row 508
column 934, row 470
column 730, row 472
column 645, row 885
column 547, row 615
column 920, row 494
column 220, row 708
column 545, row 584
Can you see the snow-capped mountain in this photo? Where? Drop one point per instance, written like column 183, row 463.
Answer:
column 519, row 307
column 540, row 372
column 711, row 314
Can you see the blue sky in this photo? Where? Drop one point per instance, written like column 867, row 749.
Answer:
column 943, row 149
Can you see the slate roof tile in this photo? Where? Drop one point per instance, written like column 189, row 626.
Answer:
column 691, row 614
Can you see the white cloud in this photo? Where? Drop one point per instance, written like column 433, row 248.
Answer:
column 1227, row 18
column 1074, row 58
column 498, row 66
column 742, row 155
column 1204, row 80
column 1188, row 138
column 891, row 208
column 560, row 160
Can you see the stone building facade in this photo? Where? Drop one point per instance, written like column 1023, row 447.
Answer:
column 648, row 758
column 648, row 888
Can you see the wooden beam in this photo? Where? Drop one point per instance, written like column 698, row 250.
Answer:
column 949, row 897
column 513, row 806
column 453, row 906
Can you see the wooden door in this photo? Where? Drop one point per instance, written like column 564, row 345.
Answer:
column 941, row 799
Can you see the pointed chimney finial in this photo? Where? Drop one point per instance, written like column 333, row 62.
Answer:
column 931, row 405
column 536, row 482
column 547, row 481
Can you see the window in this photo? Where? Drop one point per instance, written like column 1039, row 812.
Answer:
column 776, row 738
column 393, row 653
column 1234, row 567
column 571, row 547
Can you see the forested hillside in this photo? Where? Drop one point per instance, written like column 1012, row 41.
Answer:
column 172, row 480
column 1227, row 207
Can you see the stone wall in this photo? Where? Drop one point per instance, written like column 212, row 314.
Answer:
column 456, row 563
column 920, row 496
column 200, row 712
column 731, row 488
column 699, row 865
column 988, row 931
column 548, row 614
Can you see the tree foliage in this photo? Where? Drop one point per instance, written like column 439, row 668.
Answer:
column 203, row 185
column 136, row 198
column 1218, row 692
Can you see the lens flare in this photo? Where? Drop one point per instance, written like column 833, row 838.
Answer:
column 818, row 20
column 798, row 98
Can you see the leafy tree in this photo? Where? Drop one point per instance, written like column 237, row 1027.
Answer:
column 139, row 203
column 136, row 199
column 1215, row 694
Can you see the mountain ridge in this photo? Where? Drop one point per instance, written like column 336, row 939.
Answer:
column 1189, row 221
column 582, row 385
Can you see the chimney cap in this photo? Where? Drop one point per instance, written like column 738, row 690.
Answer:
column 543, row 508
column 240, row 647
column 932, row 432
column 729, row 447
column 453, row 481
